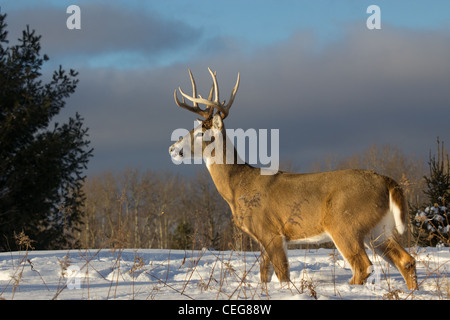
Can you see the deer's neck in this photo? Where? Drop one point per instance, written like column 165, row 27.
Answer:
column 229, row 172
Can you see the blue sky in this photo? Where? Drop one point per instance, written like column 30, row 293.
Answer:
column 314, row 61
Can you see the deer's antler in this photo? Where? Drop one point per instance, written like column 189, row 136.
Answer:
column 209, row 103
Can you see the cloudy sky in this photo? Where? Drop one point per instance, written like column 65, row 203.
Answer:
column 311, row 69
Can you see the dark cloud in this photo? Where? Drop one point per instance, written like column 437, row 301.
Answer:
column 105, row 29
column 387, row 86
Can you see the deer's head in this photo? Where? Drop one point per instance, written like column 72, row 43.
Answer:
column 210, row 128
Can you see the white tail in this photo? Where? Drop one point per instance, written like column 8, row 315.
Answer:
column 396, row 212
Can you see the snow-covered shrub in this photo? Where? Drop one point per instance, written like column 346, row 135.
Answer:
column 433, row 224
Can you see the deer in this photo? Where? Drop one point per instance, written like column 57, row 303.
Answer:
column 352, row 208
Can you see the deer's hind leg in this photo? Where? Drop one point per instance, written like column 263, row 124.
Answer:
column 391, row 251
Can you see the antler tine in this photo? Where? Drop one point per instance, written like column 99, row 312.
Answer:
column 226, row 108
column 216, row 87
column 194, row 87
column 212, row 91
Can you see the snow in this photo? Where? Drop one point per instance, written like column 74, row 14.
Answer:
column 208, row 274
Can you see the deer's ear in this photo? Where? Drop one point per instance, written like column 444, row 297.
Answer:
column 217, row 122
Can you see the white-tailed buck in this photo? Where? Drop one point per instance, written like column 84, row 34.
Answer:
column 353, row 208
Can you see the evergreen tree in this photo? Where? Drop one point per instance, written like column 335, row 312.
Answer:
column 182, row 238
column 432, row 225
column 41, row 168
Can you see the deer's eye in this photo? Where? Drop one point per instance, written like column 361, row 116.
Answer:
column 199, row 134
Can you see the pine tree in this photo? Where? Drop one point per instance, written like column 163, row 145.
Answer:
column 182, row 237
column 432, row 225
column 41, row 168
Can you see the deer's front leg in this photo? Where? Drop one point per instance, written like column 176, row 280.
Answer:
column 266, row 268
column 274, row 253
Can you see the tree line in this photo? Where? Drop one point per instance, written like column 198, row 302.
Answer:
column 133, row 209
column 162, row 210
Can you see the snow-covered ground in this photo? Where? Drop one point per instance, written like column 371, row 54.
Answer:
column 205, row 274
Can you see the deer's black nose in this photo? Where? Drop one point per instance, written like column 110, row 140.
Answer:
column 173, row 150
